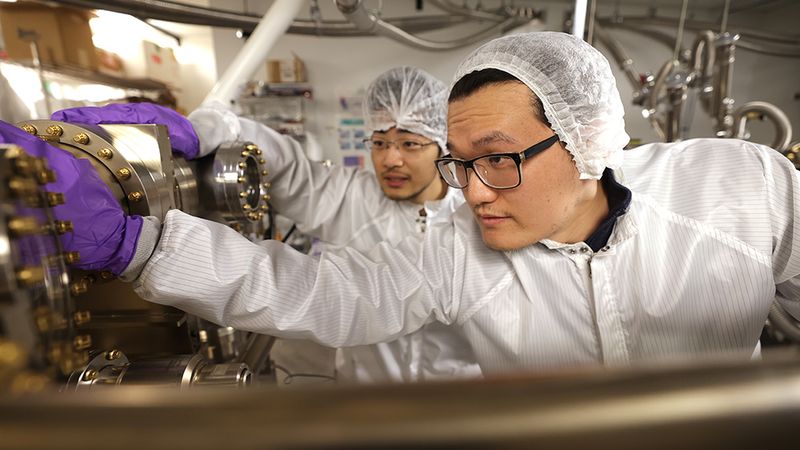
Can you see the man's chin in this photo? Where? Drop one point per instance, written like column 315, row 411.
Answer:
column 396, row 194
column 500, row 243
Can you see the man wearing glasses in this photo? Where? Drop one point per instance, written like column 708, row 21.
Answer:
column 405, row 113
column 552, row 262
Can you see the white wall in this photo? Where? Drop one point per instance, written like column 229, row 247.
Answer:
column 341, row 65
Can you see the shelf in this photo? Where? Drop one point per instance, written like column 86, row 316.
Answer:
column 80, row 74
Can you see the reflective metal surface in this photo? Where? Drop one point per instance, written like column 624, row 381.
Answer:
column 37, row 312
column 713, row 406
column 99, row 313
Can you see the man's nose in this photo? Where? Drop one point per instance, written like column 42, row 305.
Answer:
column 393, row 156
column 477, row 192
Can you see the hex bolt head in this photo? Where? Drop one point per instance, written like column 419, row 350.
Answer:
column 28, row 128
column 124, row 173
column 105, row 153
column 135, row 196
column 81, row 138
column 55, row 130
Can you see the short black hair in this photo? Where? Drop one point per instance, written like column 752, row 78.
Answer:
column 474, row 81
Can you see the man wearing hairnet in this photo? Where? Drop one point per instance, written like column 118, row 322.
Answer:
column 405, row 114
column 553, row 261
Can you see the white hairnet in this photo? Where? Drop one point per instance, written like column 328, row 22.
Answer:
column 410, row 99
column 574, row 82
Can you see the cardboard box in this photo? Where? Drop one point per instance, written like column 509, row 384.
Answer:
column 76, row 37
column 286, row 70
column 62, row 35
column 161, row 64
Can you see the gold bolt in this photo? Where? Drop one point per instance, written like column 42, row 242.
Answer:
column 113, row 354
column 28, row 128
column 267, row 185
column 245, row 154
column 242, row 194
column 251, row 147
column 106, row 275
column 81, row 138
column 78, row 288
column 124, row 173
column 260, row 216
column 45, row 176
column 247, row 207
column 55, row 198
column 241, row 179
column 28, row 276
column 264, row 173
column 11, row 355
column 258, row 151
column 242, row 165
column 90, row 375
column 82, row 342
column 72, row 257
column 135, row 196
column 252, row 216
column 105, row 153
column 21, row 226
column 22, row 186
column 23, row 165
column 261, row 160
column 265, row 207
column 55, row 130
column 266, row 197
column 81, row 317
column 62, row 226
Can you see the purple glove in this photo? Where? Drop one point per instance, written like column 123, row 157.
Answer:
column 102, row 234
column 181, row 134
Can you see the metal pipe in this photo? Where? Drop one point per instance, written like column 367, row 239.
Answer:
column 725, row 12
column 751, row 110
column 579, row 19
column 697, row 25
column 619, row 54
column 721, row 101
column 448, row 6
column 720, row 406
column 274, row 24
column 679, row 36
column 768, row 49
column 592, row 20
column 197, row 15
column 702, row 63
column 355, row 11
column 652, row 100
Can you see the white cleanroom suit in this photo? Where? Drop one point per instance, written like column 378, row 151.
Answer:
column 344, row 207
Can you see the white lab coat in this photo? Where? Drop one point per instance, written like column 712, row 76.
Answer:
column 344, row 207
column 688, row 271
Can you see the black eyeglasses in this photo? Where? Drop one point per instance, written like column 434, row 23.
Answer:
column 496, row 170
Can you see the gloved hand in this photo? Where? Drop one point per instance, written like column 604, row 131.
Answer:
column 102, row 234
column 182, row 136
column 216, row 124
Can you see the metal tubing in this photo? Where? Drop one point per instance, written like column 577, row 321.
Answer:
column 783, row 127
column 274, row 24
column 355, row 11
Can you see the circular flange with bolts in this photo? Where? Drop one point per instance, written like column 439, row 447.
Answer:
column 134, row 185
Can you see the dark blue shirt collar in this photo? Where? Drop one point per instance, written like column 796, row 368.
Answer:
column 619, row 199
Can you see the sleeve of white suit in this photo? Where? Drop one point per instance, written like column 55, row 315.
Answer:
column 330, row 203
column 783, row 188
column 341, row 298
